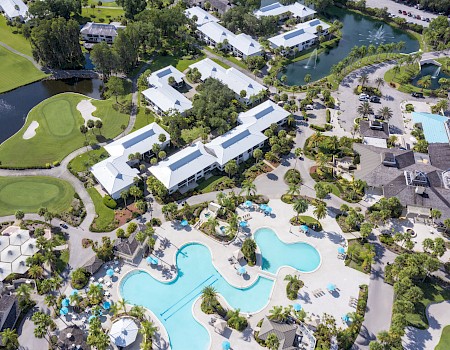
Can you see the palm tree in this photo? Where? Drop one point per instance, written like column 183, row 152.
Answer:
column 212, row 223
column 233, row 221
column 364, row 109
column 95, row 293
column 10, row 339
column 293, row 190
column 321, row 211
column 300, row 206
column 122, row 304
column 124, row 195
column 386, row 113
column 425, row 82
column 298, row 152
column 396, row 70
column 209, row 297
column 279, row 314
column 248, row 187
column 363, row 79
column 380, row 82
column 36, row 272
column 148, row 331
column 24, row 294
column 115, row 309
column 137, row 311
column 272, row 342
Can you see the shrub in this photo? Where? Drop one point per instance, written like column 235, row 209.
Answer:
column 79, row 278
column 120, row 233
column 328, row 116
column 249, row 251
column 155, row 222
column 235, row 321
column 409, row 108
column 109, row 202
column 292, row 177
column 386, row 239
column 131, row 228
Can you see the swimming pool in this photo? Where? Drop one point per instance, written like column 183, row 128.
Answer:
column 172, row 302
column 275, row 253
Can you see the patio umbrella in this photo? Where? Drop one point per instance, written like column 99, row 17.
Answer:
column 106, row 305
column 331, row 287
column 4, row 242
column 10, row 254
column 242, row 270
column 304, row 228
column 65, row 302
column 91, row 318
column 220, row 325
column 19, row 265
column 226, row 345
column 238, row 254
column 184, row 223
column 63, row 311
column 29, row 247
column 268, row 210
column 263, row 206
column 123, row 332
column 243, row 224
column 341, row 250
column 5, row 270
column 110, row 272
column 152, row 260
column 345, row 318
column 297, row 307
column 19, row 237
column 248, row 204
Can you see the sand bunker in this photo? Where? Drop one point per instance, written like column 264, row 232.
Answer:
column 86, row 109
column 31, row 131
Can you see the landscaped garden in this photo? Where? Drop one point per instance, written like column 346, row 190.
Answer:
column 104, row 220
column 58, row 131
column 29, row 193
column 16, row 71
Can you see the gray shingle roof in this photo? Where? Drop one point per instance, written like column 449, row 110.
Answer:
column 9, row 311
column 93, row 265
column 439, row 155
column 366, row 130
column 286, row 333
column 128, row 245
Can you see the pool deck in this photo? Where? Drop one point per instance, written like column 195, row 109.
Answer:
column 332, row 269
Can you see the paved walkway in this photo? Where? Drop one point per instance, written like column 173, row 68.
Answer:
column 438, row 317
column 29, row 58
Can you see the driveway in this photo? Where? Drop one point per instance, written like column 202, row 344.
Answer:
column 380, row 299
column 393, row 7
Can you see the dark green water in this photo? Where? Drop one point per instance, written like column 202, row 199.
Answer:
column 434, row 71
column 357, row 30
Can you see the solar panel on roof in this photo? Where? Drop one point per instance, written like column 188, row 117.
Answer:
column 235, row 139
column 185, row 160
column 138, row 138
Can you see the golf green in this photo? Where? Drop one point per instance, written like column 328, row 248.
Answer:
column 58, row 131
column 29, row 193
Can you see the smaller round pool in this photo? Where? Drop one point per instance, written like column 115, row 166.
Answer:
column 275, row 253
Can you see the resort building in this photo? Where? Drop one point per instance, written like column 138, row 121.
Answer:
column 9, row 312
column 283, row 12
column 202, row 16
column 163, row 95
column 98, row 32
column 219, row 6
column 231, row 77
column 301, row 38
column 374, row 132
column 186, row 167
column 419, row 183
column 436, row 128
column 115, row 173
column 242, row 45
column 288, row 335
column 129, row 249
column 14, row 9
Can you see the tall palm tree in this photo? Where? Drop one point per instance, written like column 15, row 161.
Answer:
column 300, row 206
column 114, row 309
column 424, row 82
column 24, row 294
column 137, row 311
column 95, row 293
column 10, row 339
column 36, row 272
column 320, row 211
column 122, row 303
column 385, row 112
column 380, row 82
column 209, row 296
column 212, row 222
column 148, row 331
column 272, row 342
column 248, row 187
column 279, row 314
column 363, row 79
column 364, row 109
column 293, row 190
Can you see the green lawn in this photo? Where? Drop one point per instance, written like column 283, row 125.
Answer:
column 84, row 161
column 105, row 216
column 143, row 119
column 104, row 15
column 29, row 193
column 62, row 261
column 444, row 343
column 16, row 71
column 433, row 293
column 229, row 57
column 180, row 63
column 11, row 37
column 208, row 185
column 58, row 133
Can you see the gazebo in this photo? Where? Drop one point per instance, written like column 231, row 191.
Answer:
column 123, row 332
column 72, row 338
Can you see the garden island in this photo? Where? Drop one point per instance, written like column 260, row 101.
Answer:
column 215, row 174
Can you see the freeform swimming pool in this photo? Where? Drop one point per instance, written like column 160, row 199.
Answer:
column 275, row 253
column 172, row 302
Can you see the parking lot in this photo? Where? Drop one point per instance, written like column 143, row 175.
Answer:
column 394, row 7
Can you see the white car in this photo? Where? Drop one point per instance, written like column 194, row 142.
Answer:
column 364, row 97
column 309, row 107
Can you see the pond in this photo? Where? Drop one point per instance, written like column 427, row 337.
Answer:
column 15, row 104
column 434, row 71
column 357, row 30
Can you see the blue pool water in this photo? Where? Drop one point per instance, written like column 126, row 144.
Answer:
column 275, row 253
column 172, row 302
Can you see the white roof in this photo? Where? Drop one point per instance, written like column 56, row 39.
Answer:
column 246, row 44
column 10, row 254
column 202, row 16
column 19, row 237
column 182, row 165
column 20, row 265
column 263, row 115
column 29, row 247
column 292, row 38
column 311, row 26
column 216, row 32
column 167, row 98
column 161, row 77
column 231, row 77
column 235, row 142
column 276, row 9
column 4, row 242
column 372, row 141
column 123, row 332
column 141, row 141
column 114, row 174
column 14, row 8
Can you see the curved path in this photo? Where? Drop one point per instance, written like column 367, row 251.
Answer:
column 29, row 58
column 438, row 317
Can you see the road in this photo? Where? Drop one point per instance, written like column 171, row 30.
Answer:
column 393, row 7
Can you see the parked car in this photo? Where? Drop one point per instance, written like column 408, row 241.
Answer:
column 405, row 13
column 374, row 99
column 64, row 226
column 364, row 97
column 417, row 94
column 427, row 20
column 400, row 11
column 309, row 107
